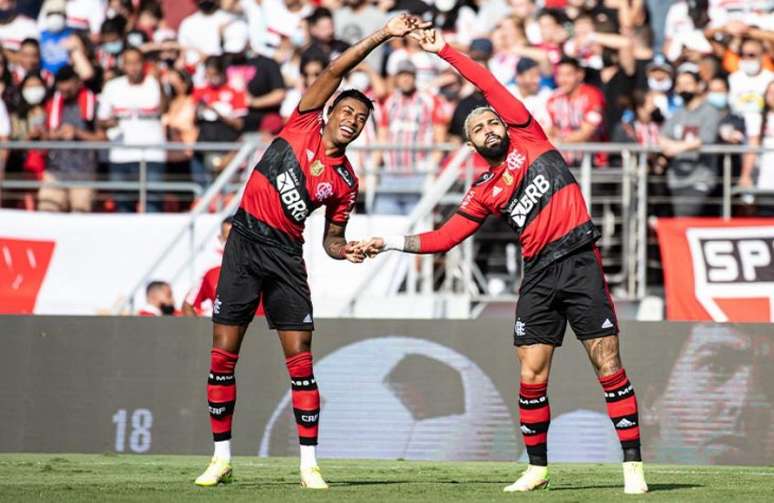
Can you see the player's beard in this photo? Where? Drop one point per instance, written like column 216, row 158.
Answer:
column 496, row 152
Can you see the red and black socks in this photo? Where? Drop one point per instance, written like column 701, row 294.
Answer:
column 221, row 398
column 305, row 397
column 622, row 409
column 535, row 416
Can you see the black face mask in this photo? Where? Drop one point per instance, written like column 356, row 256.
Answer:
column 687, row 97
column 167, row 309
column 495, row 152
column 208, row 6
column 450, row 92
column 656, row 116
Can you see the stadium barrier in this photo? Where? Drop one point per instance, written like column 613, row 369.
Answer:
column 437, row 390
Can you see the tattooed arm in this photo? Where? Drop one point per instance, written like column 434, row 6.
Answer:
column 452, row 233
column 336, row 245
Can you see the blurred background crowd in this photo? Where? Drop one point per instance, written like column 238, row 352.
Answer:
column 670, row 74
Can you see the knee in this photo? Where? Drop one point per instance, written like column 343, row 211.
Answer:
column 533, row 376
column 226, row 338
column 296, row 347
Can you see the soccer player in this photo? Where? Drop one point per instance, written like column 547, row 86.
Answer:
column 304, row 168
column 528, row 184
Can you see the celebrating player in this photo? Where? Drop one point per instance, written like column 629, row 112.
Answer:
column 305, row 167
column 528, row 184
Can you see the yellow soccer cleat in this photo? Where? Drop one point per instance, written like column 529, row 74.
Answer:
column 218, row 472
column 634, row 478
column 533, row 478
column 311, row 478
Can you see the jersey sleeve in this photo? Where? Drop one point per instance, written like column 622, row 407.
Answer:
column 595, row 108
column 451, row 233
column 472, row 206
column 199, row 293
column 310, row 120
column 510, row 109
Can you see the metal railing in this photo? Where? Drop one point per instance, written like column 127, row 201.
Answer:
column 618, row 197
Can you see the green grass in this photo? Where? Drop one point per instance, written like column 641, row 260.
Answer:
column 95, row 478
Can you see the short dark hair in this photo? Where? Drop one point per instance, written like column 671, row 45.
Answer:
column 155, row 285
column 355, row 95
column 318, row 14
column 215, row 62
column 113, row 25
column 228, row 220
column 67, row 72
column 313, row 56
column 30, row 41
column 566, row 60
column 132, row 48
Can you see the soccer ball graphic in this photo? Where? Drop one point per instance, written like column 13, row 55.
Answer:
column 400, row 397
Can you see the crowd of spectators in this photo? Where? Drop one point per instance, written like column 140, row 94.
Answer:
column 673, row 74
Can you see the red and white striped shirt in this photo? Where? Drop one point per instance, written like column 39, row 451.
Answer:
column 409, row 120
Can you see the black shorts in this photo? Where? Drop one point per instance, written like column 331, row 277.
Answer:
column 571, row 289
column 252, row 270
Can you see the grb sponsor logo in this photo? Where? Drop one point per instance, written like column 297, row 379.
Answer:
column 287, row 186
column 532, row 194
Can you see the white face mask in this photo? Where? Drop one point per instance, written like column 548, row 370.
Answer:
column 55, row 23
column 34, row 95
column 359, row 81
column 750, row 66
column 660, row 86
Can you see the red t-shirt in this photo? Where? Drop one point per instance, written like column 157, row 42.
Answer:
column 293, row 178
column 202, row 297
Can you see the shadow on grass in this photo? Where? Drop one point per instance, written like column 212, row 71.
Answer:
column 651, row 487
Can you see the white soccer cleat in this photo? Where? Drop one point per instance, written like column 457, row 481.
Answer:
column 217, row 472
column 311, row 478
column 634, row 478
column 533, row 478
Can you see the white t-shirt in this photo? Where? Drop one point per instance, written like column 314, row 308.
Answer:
column 5, row 121
column 138, row 110
column 81, row 15
column 12, row 34
column 745, row 94
column 201, row 33
column 537, row 104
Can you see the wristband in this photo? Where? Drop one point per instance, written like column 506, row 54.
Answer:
column 394, row 243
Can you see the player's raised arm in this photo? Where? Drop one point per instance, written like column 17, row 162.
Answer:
column 328, row 81
column 510, row 109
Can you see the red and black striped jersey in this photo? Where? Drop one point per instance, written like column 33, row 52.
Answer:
column 293, row 178
column 533, row 190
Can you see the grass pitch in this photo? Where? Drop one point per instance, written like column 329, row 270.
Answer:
column 98, row 478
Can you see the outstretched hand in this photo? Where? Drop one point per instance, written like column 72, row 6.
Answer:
column 367, row 247
column 404, row 24
column 353, row 252
column 430, row 39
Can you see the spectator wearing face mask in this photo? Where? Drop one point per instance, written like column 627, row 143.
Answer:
column 111, row 43
column 87, row 15
column 311, row 66
column 28, row 123
column 70, row 116
column 220, row 114
column 691, row 177
column 15, row 27
column 159, row 300
column 54, row 36
column 659, row 73
column 748, row 84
